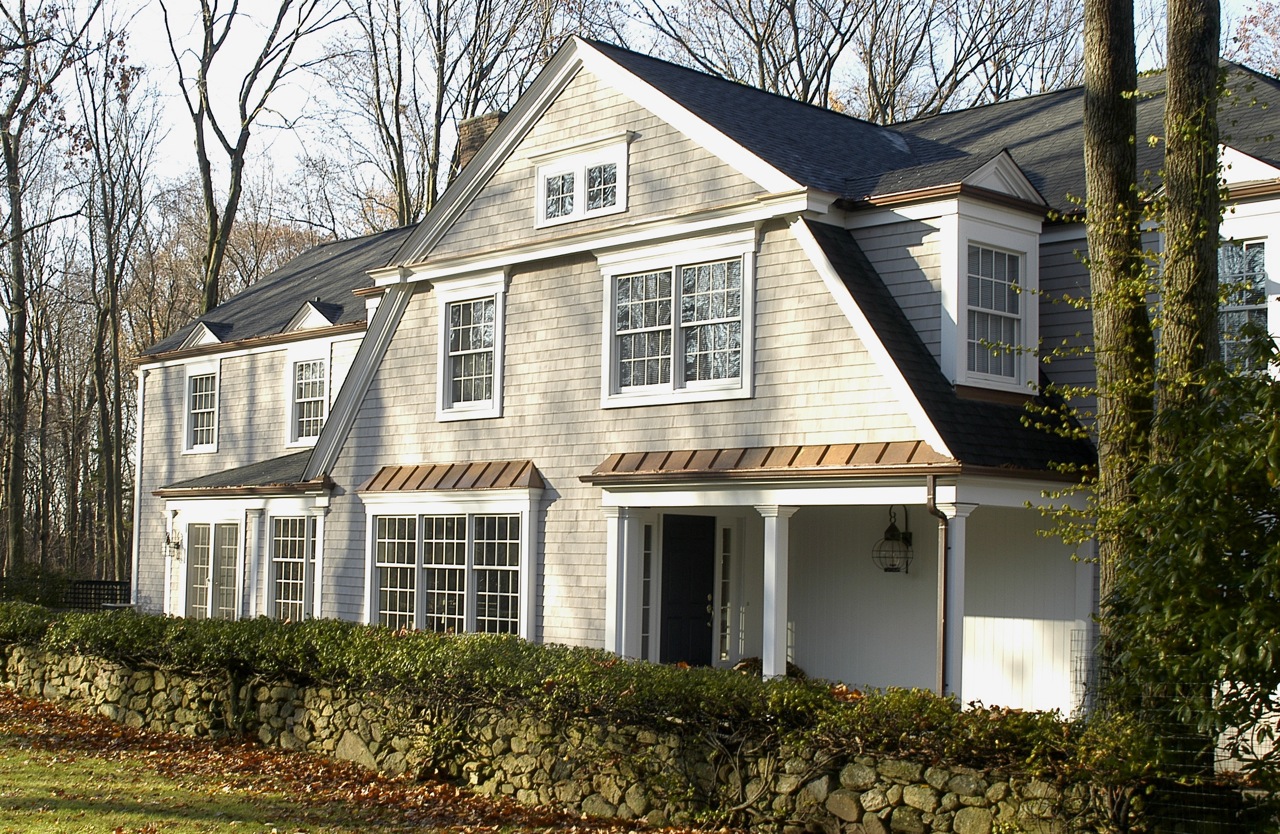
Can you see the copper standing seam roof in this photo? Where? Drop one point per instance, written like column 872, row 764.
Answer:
column 854, row 459
column 499, row 474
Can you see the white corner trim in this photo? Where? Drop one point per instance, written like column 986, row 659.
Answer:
column 867, row 335
column 345, row 407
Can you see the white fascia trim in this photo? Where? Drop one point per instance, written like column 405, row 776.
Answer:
column 511, row 130
column 235, row 353
column 919, row 212
column 683, row 120
column 1002, row 174
column 621, row 237
column 200, row 336
column 470, row 288
column 867, row 335
column 346, row 405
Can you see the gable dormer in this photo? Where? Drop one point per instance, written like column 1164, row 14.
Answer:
column 1003, row 176
column 312, row 315
column 205, row 333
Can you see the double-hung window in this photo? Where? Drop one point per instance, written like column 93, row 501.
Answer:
column 449, row 573
column 471, row 327
column 994, row 314
column 588, row 179
column 678, row 328
column 201, row 409
column 1242, row 281
column 292, row 566
column 308, row 400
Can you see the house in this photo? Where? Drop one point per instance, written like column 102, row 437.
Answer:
column 682, row 369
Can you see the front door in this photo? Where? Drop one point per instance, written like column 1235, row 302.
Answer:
column 688, row 588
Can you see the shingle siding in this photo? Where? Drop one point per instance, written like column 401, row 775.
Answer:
column 552, row 414
column 907, row 256
column 668, row 173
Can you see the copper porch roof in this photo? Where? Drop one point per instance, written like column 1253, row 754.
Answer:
column 899, row 457
column 498, row 474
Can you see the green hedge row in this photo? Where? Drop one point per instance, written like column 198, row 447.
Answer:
column 467, row 670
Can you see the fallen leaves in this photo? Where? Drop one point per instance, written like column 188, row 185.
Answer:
column 244, row 768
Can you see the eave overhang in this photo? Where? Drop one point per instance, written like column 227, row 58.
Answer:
column 255, row 342
column 318, row 486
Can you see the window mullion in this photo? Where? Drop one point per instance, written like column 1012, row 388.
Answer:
column 469, row 576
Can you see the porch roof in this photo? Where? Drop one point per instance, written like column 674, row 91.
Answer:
column 277, row 476
column 498, row 474
column 903, row 457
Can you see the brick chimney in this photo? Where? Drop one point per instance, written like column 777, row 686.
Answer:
column 473, row 133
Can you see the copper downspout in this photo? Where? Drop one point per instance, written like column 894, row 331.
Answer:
column 931, row 486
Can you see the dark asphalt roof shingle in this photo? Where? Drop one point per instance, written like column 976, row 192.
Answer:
column 281, row 471
column 978, row 432
column 325, row 275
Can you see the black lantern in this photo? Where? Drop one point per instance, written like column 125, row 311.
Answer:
column 893, row 553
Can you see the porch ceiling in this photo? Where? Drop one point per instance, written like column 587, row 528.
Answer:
column 772, row 462
column 498, row 474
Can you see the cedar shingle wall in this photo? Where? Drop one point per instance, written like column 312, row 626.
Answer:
column 814, row 384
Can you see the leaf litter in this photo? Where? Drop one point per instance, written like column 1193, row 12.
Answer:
column 242, row 767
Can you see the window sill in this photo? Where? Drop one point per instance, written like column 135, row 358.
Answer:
column 669, row 397
column 479, row 412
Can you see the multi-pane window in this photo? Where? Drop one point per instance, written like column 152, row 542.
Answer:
column 395, row 561
column 559, row 195
column 1242, row 280
column 602, row 186
column 587, row 183
column 472, row 329
column 725, row 637
column 994, row 311
column 289, row 546
column 202, row 409
column 212, row 567
column 308, row 398
column 449, row 573
column 707, row 329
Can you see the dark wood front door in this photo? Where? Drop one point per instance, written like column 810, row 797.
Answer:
column 688, row 583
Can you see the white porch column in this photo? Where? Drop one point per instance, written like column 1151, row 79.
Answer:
column 953, row 635
column 622, row 615
column 315, row 543
column 254, row 547
column 777, row 531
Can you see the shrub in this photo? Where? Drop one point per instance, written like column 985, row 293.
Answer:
column 460, row 672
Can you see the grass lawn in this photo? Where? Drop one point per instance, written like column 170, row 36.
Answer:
column 63, row 771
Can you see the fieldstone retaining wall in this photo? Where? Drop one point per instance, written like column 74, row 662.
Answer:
column 578, row 764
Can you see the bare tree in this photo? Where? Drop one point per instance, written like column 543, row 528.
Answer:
column 119, row 120
column 790, row 47
column 921, row 57
column 291, row 23
column 38, row 42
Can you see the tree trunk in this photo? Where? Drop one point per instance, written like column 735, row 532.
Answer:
column 1122, row 331
column 14, row 467
column 1189, row 292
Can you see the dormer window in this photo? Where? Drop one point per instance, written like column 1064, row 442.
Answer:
column 586, row 180
column 994, row 316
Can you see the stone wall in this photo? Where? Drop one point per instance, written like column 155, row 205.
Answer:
column 579, row 764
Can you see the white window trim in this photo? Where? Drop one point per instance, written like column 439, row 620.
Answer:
column 195, row 369
column 576, row 159
column 1018, row 318
column 184, row 523
column 526, row 503
column 470, row 288
column 295, row 356
column 993, row 228
column 741, row 244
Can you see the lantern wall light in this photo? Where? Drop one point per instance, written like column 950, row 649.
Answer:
column 893, row 553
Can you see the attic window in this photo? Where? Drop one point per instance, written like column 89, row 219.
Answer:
column 587, row 180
